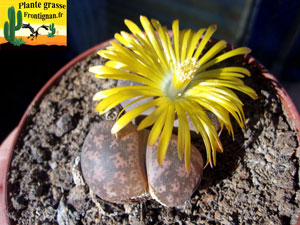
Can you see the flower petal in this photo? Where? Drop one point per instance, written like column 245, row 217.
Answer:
column 129, row 116
column 194, row 42
column 112, row 73
column 234, row 52
column 109, row 102
column 150, row 120
column 166, row 134
column 153, row 39
column 233, row 85
column 184, row 138
column 175, row 28
column 184, row 45
column 108, row 92
column 212, row 52
column 198, row 125
column 211, row 29
column 181, row 138
column 144, row 50
column 219, row 111
column 157, row 127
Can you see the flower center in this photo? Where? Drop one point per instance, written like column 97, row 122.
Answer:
column 185, row 71
column 183, row 74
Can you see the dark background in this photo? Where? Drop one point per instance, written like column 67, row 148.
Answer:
column 269, row 27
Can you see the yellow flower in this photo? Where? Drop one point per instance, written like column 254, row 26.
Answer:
column 178, row 77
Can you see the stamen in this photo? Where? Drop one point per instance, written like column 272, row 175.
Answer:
column 186, row 70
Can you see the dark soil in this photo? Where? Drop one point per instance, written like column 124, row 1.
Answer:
column 256, row 180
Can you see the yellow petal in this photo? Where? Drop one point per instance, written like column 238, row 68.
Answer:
column 150, row 120
column 129, row 116
column 108, row 92
column 131, row 63
column 166, row 134
column 144, row 50
column 116, row 65
column 184, row 45
column 220, row 112
column 112, row 73
column 187, row 143
column 206, row 128
column 109, row 102
column 153, row 39
column 221, row 92
column 184, row 138
column 234, row 109
column 157, row 127
column 234, row 52
column 121, row 39
column 181, row 134
column 164, row 37
column 211, row 29
column 121, row 112
column 236, row 69
column 171, row 49
column 212, row 52
column 233, row 85
column 202, row 131
column 175, row 27
column 194, row 42
column 133, row 27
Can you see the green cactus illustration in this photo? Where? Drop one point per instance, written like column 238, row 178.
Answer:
column 52, row 29
column 10, row 27
column 18, row 42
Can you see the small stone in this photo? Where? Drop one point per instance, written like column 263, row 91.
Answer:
column 19, row 202
column 39, row 154
column 77, row 197
column 57, row 193
column 269, row 158
column 63, row 125
column 65, row 215
column 114, row 167
column 77, row 178
column 217, row 215
column 288, row 151
column 53, row 165
column 170, row 183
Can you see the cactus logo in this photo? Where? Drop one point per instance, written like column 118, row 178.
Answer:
column 33, row 24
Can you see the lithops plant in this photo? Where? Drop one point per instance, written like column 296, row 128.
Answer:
column 169, row 183
column 114, row 166
column 180, row 80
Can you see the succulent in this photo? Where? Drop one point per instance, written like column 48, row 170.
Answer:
column 114, row 167
column 181, row 80
column 169, row 183
column 119, row 169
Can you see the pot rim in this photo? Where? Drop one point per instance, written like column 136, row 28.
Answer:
column 8, row 145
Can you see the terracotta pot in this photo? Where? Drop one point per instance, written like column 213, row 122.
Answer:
column 8, row 145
